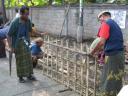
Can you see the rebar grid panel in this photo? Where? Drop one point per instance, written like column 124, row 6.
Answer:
column 68, row 63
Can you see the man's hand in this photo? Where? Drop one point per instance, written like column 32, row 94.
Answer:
column 99, row 46
column 11, row 50
column 44, row 33
column 93, row 54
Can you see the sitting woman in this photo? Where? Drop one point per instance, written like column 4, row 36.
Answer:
column 36, row 50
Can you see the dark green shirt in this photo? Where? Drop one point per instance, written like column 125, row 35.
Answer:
column 15, row 30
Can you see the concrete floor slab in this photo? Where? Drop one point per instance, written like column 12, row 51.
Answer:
column 9, row 85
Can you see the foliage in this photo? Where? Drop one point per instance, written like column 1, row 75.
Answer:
column 13, row 3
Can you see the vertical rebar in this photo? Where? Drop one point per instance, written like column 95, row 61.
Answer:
column 52, row 58
column 95, row 77
column 47, row 55
column 67, row 56
column 82, row 68
column 62, row 62
column 43, row 63
column 75, row 65
column 87, row 74
column 57, row 58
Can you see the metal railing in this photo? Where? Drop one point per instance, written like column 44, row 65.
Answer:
column 68, row 63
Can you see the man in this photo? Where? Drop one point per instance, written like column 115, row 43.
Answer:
column 4, row 32
column 3, row 41
column 36, row 50
column 20, row 41
column 112, row 39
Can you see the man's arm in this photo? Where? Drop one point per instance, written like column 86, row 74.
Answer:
column 103, row 36
column 36, row 32
column 99, row 46
column 39, row 33
column 11, row 32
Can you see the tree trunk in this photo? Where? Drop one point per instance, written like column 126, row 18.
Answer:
column 50, row 2
column 3, row 10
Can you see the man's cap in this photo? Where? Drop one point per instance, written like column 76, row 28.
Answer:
column 101, row 13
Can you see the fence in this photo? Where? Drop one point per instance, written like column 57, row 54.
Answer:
column 68, row 63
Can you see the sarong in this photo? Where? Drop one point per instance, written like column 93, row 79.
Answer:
column 23, row 59
column 113, row 71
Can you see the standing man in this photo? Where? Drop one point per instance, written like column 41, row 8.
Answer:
column 112, row 39
column 3, row 41
column 20, row 41
column 4, row 32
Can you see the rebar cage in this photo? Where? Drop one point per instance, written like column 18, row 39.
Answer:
column 68, row 63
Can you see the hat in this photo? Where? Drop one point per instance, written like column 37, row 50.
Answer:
column 101, row 13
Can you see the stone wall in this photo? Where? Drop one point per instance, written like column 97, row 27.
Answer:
column 50, row 19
